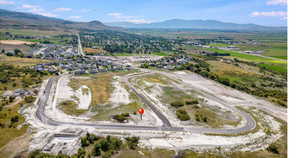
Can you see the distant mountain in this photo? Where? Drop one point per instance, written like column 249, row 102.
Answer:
column 195, row 24
column 20, row 20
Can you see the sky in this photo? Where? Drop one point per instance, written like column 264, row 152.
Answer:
column 262, row 12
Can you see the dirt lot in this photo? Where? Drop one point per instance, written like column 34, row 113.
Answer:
column 15, row 42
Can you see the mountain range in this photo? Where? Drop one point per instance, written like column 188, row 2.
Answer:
column 194, row 24
column 20, row 20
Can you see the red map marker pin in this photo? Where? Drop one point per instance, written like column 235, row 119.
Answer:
column 141, row 112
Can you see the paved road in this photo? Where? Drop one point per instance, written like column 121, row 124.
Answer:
column 80, row 51
column 43, row 100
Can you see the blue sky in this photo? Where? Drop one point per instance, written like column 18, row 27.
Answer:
column 263, row 12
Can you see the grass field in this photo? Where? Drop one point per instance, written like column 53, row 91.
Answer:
column 247, row 56
column 106, row 113
column 155, row 78
column 100, row 85
column 101, row 88
column 30, row 32
column 70, row 107
column 272, row 49
column 17, row 61
column 144, row 153
column 8, row 131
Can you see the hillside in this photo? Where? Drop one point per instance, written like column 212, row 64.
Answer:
column 195, row 24
column 20, row 20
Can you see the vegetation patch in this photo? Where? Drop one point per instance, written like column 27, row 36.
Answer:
column 21, row 62
column 175, row 97
column 99, row 84
column 107, row 112
column 94, row 146
column 70, row 107
column 10, row 119
column 121, row 117
column 182, row 115
column 12, row 77
column 156, row 78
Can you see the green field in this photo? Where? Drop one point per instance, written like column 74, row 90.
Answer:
column 30, row 32
column 272, row 49
column 248, row 57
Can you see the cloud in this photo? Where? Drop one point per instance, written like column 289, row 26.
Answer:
column 277, row 2
column 4, row 2
column 139, row 21
column 28, row 6
column 35, row 9
column 84, row 10
column 62, row 9
column 281, row 14
column 75, row 17
column 272, row 13
column 132, row 19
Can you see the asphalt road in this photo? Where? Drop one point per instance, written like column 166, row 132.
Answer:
column 42, row 102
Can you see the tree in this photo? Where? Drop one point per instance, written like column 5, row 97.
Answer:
column 15, row 119
column 29, row 99
column 18, row 52
column 97, row 150
column 104, row 145
column 84, row 142
column 132, row 142
column 81, row 153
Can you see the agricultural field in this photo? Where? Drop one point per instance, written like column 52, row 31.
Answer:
column 272, row 64
column 36, row 36
column 30, row 32
column 272, row 49
column 254, row 78
column 21, row 62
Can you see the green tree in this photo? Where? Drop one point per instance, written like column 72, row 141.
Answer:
column 97, row 150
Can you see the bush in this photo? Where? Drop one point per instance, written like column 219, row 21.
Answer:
column 182, row 115
column 132, row 142
column 273, row 149
column 29, row 99
column 91, row 138
column 84, row 142
column 81, row 153
column 121, row 117
column 191, row 102
column 177, row 104
column 97, row 150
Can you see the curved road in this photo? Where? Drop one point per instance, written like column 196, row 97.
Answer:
column 43, row 100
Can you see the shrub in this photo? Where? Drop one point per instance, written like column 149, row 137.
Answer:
column 273, row 149
column 191, row 102
column 132, row 142
column 29, row 99
column 121, row 117
column 84, row 142
column 177, row 104
column 182, row 115
column 97, row 150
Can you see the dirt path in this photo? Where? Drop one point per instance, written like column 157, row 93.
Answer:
column 17, row 101
column 16, row 146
